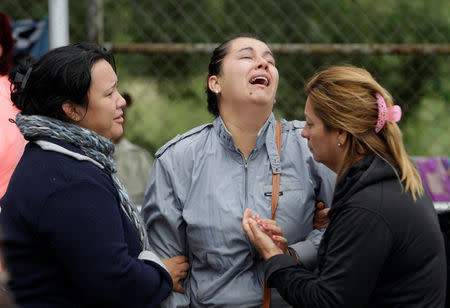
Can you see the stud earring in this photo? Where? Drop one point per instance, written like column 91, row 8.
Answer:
column 339, row 144
column 217, row 91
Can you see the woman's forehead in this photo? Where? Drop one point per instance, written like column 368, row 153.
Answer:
column 248, row 43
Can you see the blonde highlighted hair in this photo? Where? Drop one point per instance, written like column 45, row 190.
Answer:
column 344, row 98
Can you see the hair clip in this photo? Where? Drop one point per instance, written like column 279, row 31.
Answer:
column 23, row 78
column 391, row 114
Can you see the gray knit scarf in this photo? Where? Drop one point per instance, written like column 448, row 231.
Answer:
column 95, row 147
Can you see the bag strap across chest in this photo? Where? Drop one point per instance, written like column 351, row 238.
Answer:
column 274, row 203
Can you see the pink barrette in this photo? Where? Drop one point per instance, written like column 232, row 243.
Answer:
column 393, row 113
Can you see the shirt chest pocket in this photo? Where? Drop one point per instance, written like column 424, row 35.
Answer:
column 285, row 189
column 291, row 200
column 294, row 210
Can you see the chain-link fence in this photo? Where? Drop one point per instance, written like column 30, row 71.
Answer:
column 162, row 50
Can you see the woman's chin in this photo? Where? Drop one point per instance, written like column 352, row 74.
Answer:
column 316, row 158
column 116, row 134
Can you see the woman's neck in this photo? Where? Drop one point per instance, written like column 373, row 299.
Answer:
column 245, row 126
column 347, row 163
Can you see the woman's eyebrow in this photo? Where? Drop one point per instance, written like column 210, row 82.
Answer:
column 267, row 52
column 113, row 85
column 246, row 48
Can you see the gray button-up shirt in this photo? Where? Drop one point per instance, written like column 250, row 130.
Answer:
column 197, row 192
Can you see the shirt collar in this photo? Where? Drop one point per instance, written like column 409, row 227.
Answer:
column 226, row 138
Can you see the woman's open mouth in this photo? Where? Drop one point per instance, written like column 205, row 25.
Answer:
column 260, row 80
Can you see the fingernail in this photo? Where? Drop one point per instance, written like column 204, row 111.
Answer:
column 266, row 225
column 260, row 221
column 275, row 236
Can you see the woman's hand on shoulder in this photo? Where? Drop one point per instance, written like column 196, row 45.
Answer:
column 177, row 267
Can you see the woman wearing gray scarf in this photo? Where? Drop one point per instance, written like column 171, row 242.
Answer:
column 71, row 235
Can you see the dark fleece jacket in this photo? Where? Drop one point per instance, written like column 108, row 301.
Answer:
column 381, row 248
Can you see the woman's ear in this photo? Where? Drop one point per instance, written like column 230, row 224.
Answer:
column 342, row 136
column 213, row 84
column 71, row 110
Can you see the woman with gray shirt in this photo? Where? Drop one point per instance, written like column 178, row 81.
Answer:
column 203, row 180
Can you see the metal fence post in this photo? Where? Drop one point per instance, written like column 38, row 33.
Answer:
column 58, row 23
column 95, row 22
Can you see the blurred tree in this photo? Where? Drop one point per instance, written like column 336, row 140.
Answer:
column 180, row 77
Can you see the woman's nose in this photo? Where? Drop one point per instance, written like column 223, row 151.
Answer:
column 304, row 134
column 263, row 63
column 122, row 102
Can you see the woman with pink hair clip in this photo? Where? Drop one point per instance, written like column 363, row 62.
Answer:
column 383, row 246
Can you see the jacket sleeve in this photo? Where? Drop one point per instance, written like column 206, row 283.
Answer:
column 323, row 180
column 307, row 249
column 162, row 214
column 356, row 250
column 86, row 231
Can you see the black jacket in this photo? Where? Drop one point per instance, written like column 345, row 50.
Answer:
column 381, row 249
column 66, row 240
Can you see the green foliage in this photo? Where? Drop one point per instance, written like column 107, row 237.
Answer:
column 24, row 9
column 169, row 88
column 427, row 133
column 154, row 119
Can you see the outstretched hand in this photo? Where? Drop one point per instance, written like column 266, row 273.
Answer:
column 177, row 267
column 262, row 241
column 271, row 228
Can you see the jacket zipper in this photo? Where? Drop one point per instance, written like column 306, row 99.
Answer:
column 246, row 182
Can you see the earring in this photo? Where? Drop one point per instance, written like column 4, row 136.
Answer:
column 339, row 144
column 217, row 92
column 75, row 118
column 274, row 100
